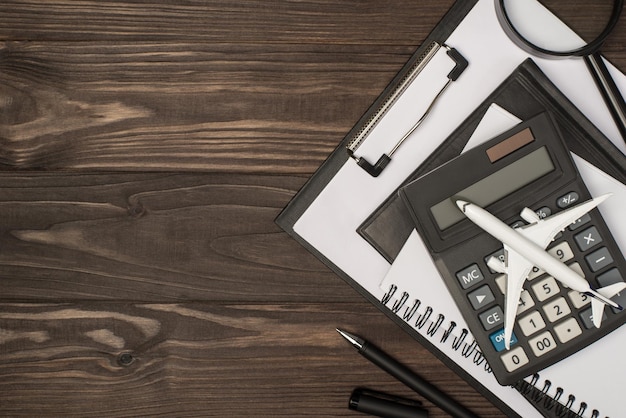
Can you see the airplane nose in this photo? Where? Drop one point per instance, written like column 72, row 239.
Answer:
column 461, row 204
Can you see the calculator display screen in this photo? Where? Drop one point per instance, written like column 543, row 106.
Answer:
column 495, row 186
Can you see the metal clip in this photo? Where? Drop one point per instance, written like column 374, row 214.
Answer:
column 375, row 169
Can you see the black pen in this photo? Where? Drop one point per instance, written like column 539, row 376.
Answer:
column 406, row 376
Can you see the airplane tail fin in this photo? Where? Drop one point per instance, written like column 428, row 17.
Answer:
column 597, row 304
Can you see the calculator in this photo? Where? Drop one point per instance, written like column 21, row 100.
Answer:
column 527, row 166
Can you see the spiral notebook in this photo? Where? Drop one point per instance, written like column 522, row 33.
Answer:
column 328, row 213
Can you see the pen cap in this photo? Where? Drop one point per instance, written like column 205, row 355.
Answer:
column 379, row 404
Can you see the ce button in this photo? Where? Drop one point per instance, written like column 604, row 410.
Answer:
column 492, row 318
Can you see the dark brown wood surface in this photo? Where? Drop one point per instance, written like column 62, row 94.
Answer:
column 146, row 148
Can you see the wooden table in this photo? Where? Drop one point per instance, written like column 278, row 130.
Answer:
column 146, row 148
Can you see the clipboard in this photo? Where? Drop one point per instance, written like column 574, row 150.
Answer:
column 339, row 156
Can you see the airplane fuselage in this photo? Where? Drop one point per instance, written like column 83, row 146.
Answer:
column 524, row 246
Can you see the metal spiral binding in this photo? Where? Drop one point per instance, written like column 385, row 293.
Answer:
column 531, row 390
column 420, row 320
column 539, row 395
column 419, row 65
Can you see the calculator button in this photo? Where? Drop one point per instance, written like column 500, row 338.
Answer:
column 542, row 344
column 469, row 276
column 556, row 309
column 562, row 251
column 497, row 340
column 587, row 318
column 599, row 259
column 543, row 212
column 525, row 302
column 531, row 323
column 611, row 277
column 514, row 359
column 545, row 289
column 535, row 272
column 588, row 238
column 580, row 222
column 578, row 299
column 576, row 267
column 518, row 223
column 501, row 282
column 491, row 318
column 567, row 200
column 481, row 297
column 567, row 330
column 567, row 255
column 498, row 254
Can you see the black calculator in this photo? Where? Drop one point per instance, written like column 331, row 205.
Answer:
column 528, row 166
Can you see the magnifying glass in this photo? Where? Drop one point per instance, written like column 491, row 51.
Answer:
column 533, row 28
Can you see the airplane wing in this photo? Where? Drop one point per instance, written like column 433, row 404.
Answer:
column 597, row 307
column 543, row 231
column 517, row 270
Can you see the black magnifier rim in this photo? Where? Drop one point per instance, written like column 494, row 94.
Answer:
column 584, row 50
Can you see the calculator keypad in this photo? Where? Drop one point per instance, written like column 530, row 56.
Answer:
column 549, row 315
column 553, row 321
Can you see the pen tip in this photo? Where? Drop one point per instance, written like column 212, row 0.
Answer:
column 352, row 339
column 342, row 333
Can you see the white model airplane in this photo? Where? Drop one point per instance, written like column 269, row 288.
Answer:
column 524, row 248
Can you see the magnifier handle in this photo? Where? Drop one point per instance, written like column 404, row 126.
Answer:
column 610, row 93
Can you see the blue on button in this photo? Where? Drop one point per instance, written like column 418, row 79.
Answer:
column 497, row 339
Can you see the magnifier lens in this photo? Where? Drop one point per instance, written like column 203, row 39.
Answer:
column 579, row 23
column 581, row 28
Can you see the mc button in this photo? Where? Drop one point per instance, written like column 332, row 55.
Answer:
column 469, row 276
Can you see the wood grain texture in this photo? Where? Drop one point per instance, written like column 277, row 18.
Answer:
column 154, row 237
column 284, row 21
column 221, row 107
column 199, row 360
column 146, row 148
